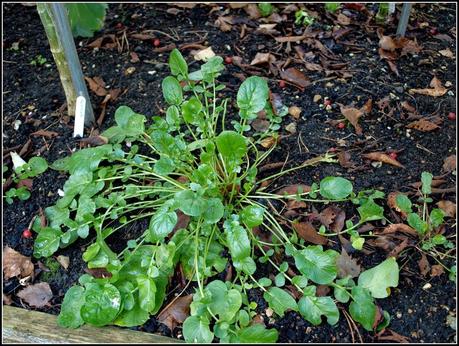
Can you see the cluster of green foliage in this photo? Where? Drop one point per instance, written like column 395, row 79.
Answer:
column 38, row 60
column 86, row 18
column 198, row 171
column 426, row 223
column 34, row 167
column 302, row 17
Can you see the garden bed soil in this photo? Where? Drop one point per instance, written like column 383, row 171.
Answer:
column 33, row 95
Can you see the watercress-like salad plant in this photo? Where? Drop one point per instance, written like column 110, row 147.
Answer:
column 194, row 182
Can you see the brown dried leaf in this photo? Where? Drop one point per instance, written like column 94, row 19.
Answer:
column 253, row 11
column 408, row 46
column 347, row 265
column 260, row 125
column 406, row 106
column 399, row 248
column 276, row 102
column 343, row 20
column 322, row 290
column 263, row 58
column 353, row 115
column 176, row 313
column 15, row 264
column 328, row 215
column 344, row 159
column 182, row 221
column 387, row 43
column 436, row 270
column 95, row 140
column 268, row 142
column 313, row 67
column 64, row 261
column 293, row 189
column 307, row 232
column 296, row 77
column 7, row 299
column 224, row 23
column 337, row 225
column 424, row 266
column 448, row 207
column 391, row 202
column 399, row 227
column 98, row 273
column 45, row 133
column 97, row 85
column 381, row 157
column 28, row 183
column 447, row 52
column 37, row 295
column 449, row 164
column 436, row 90
column 422, row 125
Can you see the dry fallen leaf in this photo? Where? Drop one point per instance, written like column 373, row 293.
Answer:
column 353, row 115
column 448, row 207
column 37, row 295
column 224, row 23
column 64, row 261
column 347, row 266
column 204, row 54
column 381, row 157
column 437, row 89
column 268, row 142
column 45, row 133
column 343, row 20
column 447, row 52
column 307, row 232
column 399, row 227
column 15, row 264
column 436, row 270
column 424, row 266
column 449, row 164
column 263, row 58
column 296, row 77
column 176, row 313
column 97, row 85
column 387, row 43
column 422, row 125
column 253, row 11
column 391, row 202
column 260, row 125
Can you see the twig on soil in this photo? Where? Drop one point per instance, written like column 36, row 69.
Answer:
column 174, row 38
column 300, row 140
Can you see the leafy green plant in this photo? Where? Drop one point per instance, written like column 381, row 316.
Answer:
column 196, row 183
column 24, row 170
column 302, row 17
column 332, row 6
column 86, row 18
column 424, row 222
column 266, row 9
column 38, row 60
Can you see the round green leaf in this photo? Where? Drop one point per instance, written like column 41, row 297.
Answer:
column 161, row 224
column 38, row 165
column 335, row 188
column 190, row 203
column 280, row 301
column 214, row 210
column 252, row 216
column 362, row 309
column 147, row 293
column 191, row 110
column 252, row 96
column 70, row 316
column 196, row 330
column 47, row 242
column 172, row 90
column 316, row 264
column 231, row 145
column 312, row 308
column 378, row 279
column 177, row 63
column 101, row 304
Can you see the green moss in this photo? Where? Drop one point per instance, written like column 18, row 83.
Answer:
column 53, row 267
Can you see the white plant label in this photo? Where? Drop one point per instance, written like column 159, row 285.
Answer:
column 80, row 110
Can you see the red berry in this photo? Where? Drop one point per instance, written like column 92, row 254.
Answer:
column 433, row 31
column 156, row 42
column 27, row 234
column 393, row 155
column 228, row 60
column 119, row 25
column 282, row 84
column 327, row 102
column 341, row 125
column 452, row 116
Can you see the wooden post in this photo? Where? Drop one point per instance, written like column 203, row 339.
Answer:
column 33, row 327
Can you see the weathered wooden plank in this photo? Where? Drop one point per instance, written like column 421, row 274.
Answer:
column 33, row 327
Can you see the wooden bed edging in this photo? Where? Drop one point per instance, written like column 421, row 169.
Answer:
column 33, row 327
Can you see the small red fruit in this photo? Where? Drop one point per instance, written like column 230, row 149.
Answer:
column 452, row 116
column 156, row 42
column 282, row 84
column 341, row 125
column 327, row 102
column 228, row 60
column 119, row 25
column 27, row 234
column 433, row 31
column 393, row 155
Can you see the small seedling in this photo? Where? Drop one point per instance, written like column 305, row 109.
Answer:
column 38, row 60
column 266, row 9
column 332, row 6
column 303, row 18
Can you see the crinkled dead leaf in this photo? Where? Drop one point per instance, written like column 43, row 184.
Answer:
column 436, row 90
column 448, row 207
column 347, row 266
column 268, row 142
column 447, row 52
column 64, row 261
column 391, row 202
column 382, row 157
column 399, row 227
column 353, row 115
column 45, row 133
column 343, row 20
column 267, row 29
column 387, row 43
column 291, row 128
column 203, row 54
column 423, row 264
column 98, row 273
column 224, row 23
column 306, row 231
column 344, row 159
column 295, row 77
column 176, row 312
column 313, row 67
column 328, row 215
column 263, row 58
column 253, row 11
column 97, row 85
column 15, row 264
column 408, row 46
column 422, row 125
column 37, row 295
column 260, row 125
column 95, row 140
column 449, row 164
column 436, row 270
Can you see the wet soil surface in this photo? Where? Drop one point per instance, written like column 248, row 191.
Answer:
column 33, row 95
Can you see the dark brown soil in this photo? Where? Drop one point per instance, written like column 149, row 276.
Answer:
column 33, row 95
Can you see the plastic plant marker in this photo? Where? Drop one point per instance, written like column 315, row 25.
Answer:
column 80, row 110
column 404, row 18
